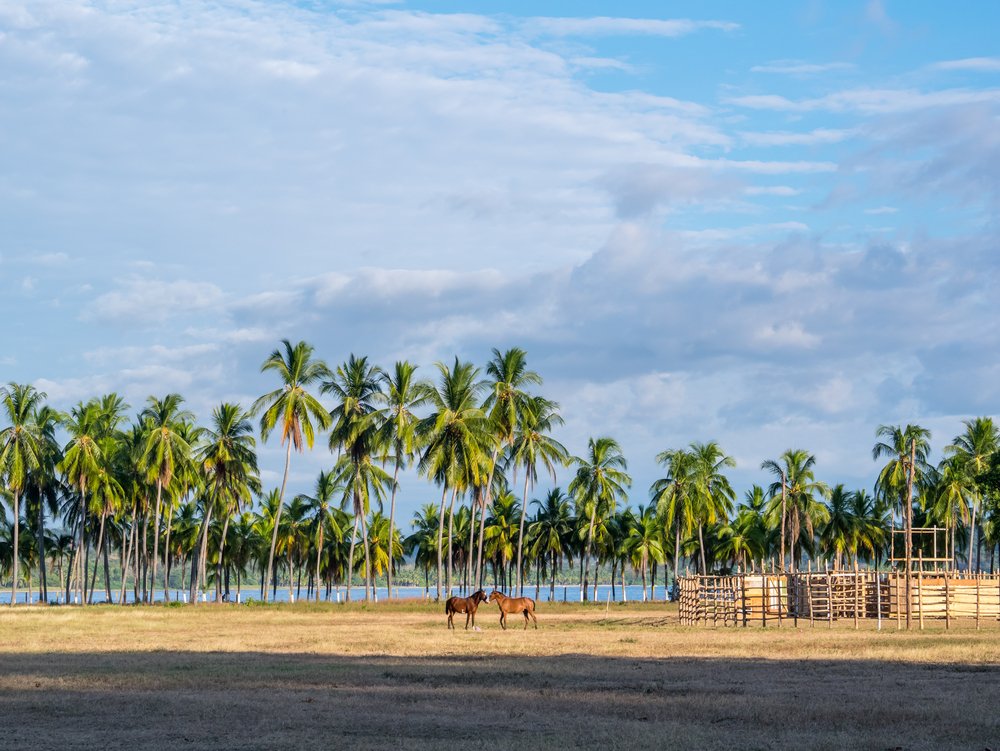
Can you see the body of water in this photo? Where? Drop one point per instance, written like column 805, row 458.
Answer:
column 569, row 593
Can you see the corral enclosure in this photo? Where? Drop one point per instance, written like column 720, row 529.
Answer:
column 761, row 598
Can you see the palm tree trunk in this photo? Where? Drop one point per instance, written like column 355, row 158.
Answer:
column 368, row 568
column 520, row 536
column 701, row 549
column 16, row 550
column 350, row 556
column 451, row 535
column 97, row 558
column 972, row 536
column 643, row 578
column 277, row 516
column 590, row 545
column 166, row 554
column 42, row 583
column 201, row 545
column 677, row 547
column 218, row 565
column 392, row 527
column 486, row 498
column 127, row 562
column 782, row 521
column 440, row 576
column 156, row 539
column 319, row 553
column 473, row 505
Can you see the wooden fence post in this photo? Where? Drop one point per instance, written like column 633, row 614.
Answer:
column 947, row 609
column 829, row 595
column 920, row 588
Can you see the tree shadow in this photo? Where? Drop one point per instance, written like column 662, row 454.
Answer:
column 250, row 700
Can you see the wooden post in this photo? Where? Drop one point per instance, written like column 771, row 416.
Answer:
column 878, row 602
column 829, row 595
column 920, row 587
column 763, row 596
column 743, row 597
column 857, row 598
column 779, row 578
column 979, row 581
column 909, row 533
column 947, row 607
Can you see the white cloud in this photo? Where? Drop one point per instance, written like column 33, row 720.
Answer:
column 881, row 210
column 870, row 101
column 140, row 300
column 606, row 26
column 979, row 64
column 809, row 138
column 797, row 67
column 787, row 334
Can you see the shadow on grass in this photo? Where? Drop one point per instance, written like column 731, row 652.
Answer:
column 152, row 700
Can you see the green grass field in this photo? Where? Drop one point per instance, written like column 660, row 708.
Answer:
column 392, row 676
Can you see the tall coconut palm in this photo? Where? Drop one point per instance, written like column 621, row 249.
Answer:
column 974, row 448
column 713, row 494
column 794, row 499
column 551, row 532
column 675, row 496
column 81, row 465
column 356, row 387
column 907, row 450
column 44, row 489
column 456, row 434
column 228, row 461
column 840, row 531
column 165, row 452
column 292, row 408
column 644, row 543
column 403, row 394
column 508, row 378
column 21, row 452
column 320, row 506
column 601, row 481
column 423, row 541
column 532, row 448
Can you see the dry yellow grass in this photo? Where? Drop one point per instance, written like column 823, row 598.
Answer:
column 333, row 676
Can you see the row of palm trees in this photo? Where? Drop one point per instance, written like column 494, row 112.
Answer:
column 160, row 489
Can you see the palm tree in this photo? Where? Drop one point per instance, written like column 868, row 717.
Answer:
column 907, row 450
column 712, row 492
column 601, row 480
column 356, row 385
column 532, row 447
column 293, row 408
column 674, row 496
column 644, row 542
column 793, row 499
column 974, row 448
column 501, row 531
column 402, row 394
column 164, row 453
column 423, row 542
column 320, row 506
column 508, row 378
column 456, row 433
column 551, row 532
column 81, row 465
column 228, row 460
column 21, row 452
column 44, row 489
column 839, row 534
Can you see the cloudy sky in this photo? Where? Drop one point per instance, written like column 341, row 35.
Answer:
column 769, row 224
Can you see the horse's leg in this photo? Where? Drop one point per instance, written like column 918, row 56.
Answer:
column 468, row 615
column 525, row 619
column 503, row 620
column 532, row 612
column 451, row 615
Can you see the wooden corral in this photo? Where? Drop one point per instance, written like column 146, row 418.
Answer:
column 756, row 598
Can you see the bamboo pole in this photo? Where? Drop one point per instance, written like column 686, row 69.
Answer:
column 743, row 597
column 829, row 595
column 920, row 588
column 878, row 602
column 857, row 599
column 979, row 587
column 947, row 604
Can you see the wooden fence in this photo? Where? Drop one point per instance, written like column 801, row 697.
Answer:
column 762, row 599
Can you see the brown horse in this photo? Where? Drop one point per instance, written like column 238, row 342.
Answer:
column 507, row 604
column 467, row 605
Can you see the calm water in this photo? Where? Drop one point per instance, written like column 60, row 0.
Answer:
column 633, row 593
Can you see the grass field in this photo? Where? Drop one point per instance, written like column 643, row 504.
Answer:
column 392, row 676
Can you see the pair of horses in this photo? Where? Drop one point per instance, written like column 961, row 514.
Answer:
column 469, row 605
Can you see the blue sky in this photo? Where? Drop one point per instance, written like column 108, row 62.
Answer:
column 772, row 225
